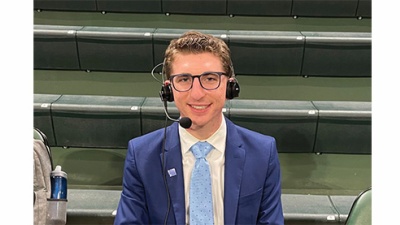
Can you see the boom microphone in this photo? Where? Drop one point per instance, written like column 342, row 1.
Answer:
column 184, row 122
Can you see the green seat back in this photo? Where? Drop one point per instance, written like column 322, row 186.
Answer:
column 360, row 213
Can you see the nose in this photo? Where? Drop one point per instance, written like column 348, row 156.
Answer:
column 197, row 90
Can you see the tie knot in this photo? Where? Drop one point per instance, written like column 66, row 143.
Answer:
column 201, row 149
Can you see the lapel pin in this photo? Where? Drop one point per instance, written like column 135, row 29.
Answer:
column 172, row 172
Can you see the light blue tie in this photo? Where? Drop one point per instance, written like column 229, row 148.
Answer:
column 201, row 208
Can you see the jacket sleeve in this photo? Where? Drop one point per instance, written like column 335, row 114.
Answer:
column 271, row 206
column 132, row 205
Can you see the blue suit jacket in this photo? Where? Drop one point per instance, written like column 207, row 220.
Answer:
column 252, row 179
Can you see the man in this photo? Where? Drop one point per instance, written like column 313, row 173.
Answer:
column 244, row 167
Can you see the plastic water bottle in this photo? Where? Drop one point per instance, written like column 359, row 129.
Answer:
column 58, row 183
column 57, row 203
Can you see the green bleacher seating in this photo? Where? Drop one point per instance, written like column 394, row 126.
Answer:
column 153, row 116
column 298, row 126
column 343, row 127
column 42, row 115
column 342, row 204
column 65, row 5
column 292, row 123
column 99, row 207
column 115, row 49
column 199, row 7
column 96, row 121
column 311, row 8
column 325, row 8
column 337, row 54
column 88, row 207
column 259, row 8
column 361, row 209
column 364, row 8
column 132, row 6
column 266, row 52
column 262, row 53
column 55, row 47
column 311, row 208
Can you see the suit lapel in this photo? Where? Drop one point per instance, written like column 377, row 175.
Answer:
column 234, row 163
column 174, row 173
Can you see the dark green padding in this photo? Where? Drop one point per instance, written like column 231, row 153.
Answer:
column 87, row 206
column 153, row 116
column 342, row 54
column 115, row 49
column 342, row 204
column 343, row 127
column 135, row 6
column 55, row 47
column 92, row 206
column 42, row 115
column 361, row 210
column 325, row 8
column 259, row 8
column 364, row 8
column 67, row 5
column 261, row 53
column 291, row 123
column 266, row 52
column 96, row 121
column 308, row 209
column 308, row 8
column 197, row 7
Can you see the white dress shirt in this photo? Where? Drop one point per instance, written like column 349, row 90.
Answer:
column 216, row 160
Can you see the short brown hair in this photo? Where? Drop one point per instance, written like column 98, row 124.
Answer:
column 197, row 42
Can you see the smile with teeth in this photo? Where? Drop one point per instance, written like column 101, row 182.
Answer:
column 198, row 106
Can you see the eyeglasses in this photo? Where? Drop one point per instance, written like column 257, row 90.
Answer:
column 208, row 80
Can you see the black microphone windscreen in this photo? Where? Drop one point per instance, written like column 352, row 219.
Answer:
column 185, row 122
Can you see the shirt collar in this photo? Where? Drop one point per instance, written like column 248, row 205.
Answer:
column 217, row 140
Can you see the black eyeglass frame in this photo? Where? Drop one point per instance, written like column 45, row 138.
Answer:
column 171, row 78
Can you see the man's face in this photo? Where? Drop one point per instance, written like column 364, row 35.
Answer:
column 202, row 106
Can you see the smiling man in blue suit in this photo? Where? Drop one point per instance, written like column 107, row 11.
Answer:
column 242, row 183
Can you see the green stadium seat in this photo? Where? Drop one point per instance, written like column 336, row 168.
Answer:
column 55, row 47
column 96, row 121
column 325, row 8
column 115, row 49
column 196, row 7
column 343, row 127
column 259, row 8
column 134, row 6
column 298, row 126
column 342, row 204
column 361, row 210
column 266, row 52
column 341, row 54
column 308, row 209
column 153, row 116
column 292, row 123
column 88, row 206
column 65, row 5
column 364, row 8
column 42, row 118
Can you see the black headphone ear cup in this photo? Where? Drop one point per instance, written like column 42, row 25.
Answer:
column 232, row 89
column 166, row 93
